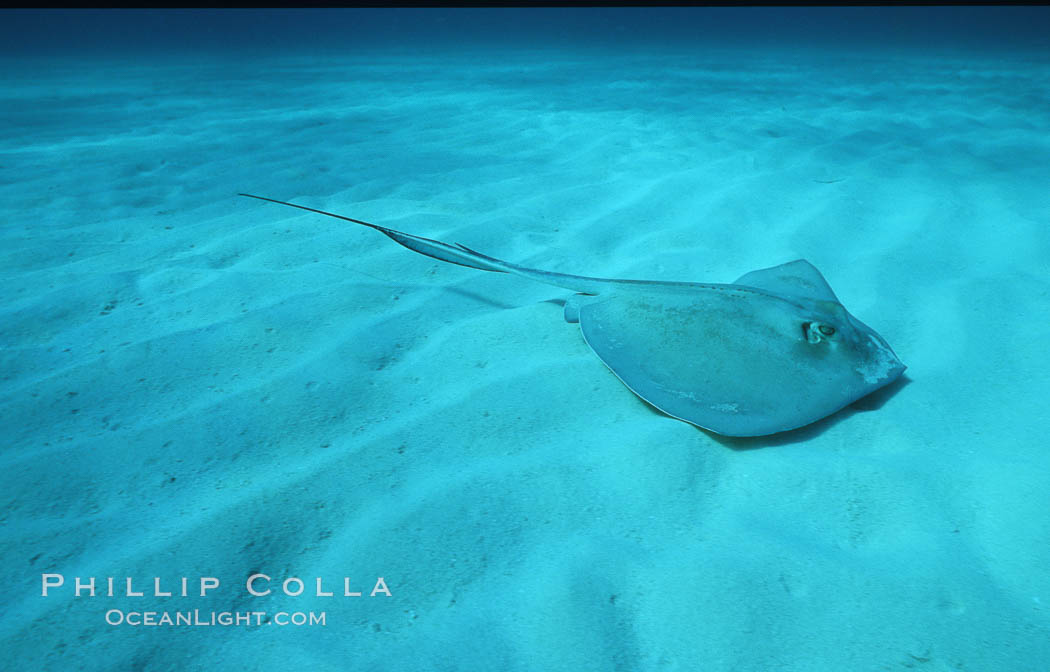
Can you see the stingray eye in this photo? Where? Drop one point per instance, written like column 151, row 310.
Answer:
column 815, row 332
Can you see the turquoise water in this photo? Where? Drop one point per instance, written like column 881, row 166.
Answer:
column 202, row 386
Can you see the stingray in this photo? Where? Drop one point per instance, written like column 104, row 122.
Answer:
column 773, row 351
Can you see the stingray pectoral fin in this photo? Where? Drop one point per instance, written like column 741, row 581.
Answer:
column 728, row 359
column 795, row 278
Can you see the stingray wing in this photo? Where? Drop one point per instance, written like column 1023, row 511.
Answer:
column 734, row 360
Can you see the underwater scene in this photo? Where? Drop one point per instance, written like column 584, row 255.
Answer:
column 551, row 338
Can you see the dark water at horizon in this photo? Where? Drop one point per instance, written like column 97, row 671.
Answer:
column 960, row 27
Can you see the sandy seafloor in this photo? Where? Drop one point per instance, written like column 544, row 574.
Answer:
column 197, row 384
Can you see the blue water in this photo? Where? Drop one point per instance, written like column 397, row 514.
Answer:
column 198, row 385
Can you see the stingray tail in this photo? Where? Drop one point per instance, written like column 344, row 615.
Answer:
column 462, row 255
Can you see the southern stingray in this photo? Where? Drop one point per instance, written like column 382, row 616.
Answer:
column 773, row 351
